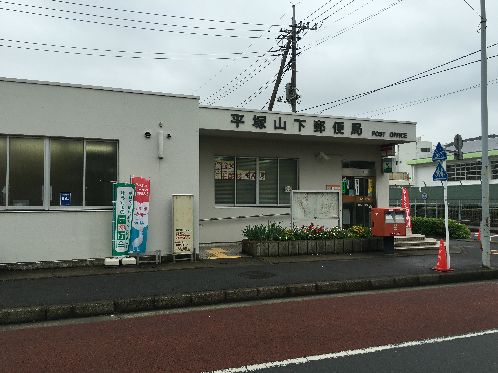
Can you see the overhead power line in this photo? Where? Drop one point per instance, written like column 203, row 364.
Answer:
column 237, row 82
column 406, row 81
column 420, row 75
column 346, row 29
column 404, row 105
column 214, row 76
column 101, row 52
column 147, row 13
column 199, row 33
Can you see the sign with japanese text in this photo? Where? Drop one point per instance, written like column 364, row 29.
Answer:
column 183, row 224
column 325, row 126
column 140, row 223
column 405, row 204
column 123, row 194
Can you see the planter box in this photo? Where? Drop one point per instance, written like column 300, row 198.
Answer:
column 293, row 248
column 348, row 245
column 283, row 248
column 357, row 245
column 312, row 247
column 302, row 247
column 330, row 246
column 273, row 248
column 339, row 246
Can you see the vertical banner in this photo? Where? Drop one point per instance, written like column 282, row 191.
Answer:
column 121, row 217
column 140, row 222
column 405, row 204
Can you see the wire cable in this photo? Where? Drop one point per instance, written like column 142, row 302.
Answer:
column 346, row 29
column 100, row 52
column 161, row 14
column 404, row 105
column 122, row 25
column 404, row 80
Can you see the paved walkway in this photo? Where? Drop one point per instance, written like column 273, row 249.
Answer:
column 90, row 285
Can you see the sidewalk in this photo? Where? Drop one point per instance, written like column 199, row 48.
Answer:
column 78, row 292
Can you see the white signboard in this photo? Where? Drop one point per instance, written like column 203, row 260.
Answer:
column 183, row 224
column 320, row 207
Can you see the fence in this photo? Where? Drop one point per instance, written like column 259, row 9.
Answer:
column 464, row 211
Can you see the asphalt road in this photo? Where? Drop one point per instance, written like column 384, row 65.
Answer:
column 230, row 337
column 468, row 354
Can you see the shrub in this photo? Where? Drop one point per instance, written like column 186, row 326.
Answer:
column 275, row 232
column 359, row 231
column 269, row 232
column 435, row 227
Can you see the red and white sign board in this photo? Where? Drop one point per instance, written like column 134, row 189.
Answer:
column 405, row 203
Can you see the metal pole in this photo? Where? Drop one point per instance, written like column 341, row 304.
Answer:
column 485, row 238
column 445, row 197
column 294, row 48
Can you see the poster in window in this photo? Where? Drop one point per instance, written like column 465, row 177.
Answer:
column 140, row 223
column 122, row 216
column 217, row 169
column 370, row 187
column 262, row 175
column 227, row 170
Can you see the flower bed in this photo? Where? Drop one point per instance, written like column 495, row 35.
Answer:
column 274, row 240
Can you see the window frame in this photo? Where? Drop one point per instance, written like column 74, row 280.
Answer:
column 46, row 206
column 257, row 158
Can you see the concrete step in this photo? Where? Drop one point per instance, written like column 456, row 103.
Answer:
column 417, row 250
column 427, row 242
column 413, row 237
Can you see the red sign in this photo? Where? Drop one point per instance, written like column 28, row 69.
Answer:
column 142, row 188
column 405, row 203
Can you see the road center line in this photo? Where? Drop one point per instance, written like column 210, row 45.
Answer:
column 362, row 351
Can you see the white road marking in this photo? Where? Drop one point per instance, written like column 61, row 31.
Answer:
column 336, row 355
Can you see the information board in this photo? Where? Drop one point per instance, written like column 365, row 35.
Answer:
column 183, row 224
column 320, row 207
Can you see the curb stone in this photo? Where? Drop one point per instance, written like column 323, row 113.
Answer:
column 99, row 308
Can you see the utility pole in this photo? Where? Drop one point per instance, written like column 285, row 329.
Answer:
column 485, row 235
column 294, row 96
column 292, row 37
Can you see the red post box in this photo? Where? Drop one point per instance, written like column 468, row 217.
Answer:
column 388, row 222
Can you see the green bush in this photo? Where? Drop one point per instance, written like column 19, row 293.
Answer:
column 435, row 227
column 275, row 232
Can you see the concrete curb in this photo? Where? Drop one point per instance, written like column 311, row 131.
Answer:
column 162, row 302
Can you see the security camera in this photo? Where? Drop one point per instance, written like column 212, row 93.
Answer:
column 147, row 135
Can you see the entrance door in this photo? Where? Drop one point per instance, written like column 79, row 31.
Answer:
column 358, row 197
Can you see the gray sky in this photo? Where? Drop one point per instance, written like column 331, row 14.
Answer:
column 342, row 58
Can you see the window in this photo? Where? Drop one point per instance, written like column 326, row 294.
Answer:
column 38, row 172
column 101, row 171
column 254, row 181
column 66, row 170
column 425, row 150
column 26, row 178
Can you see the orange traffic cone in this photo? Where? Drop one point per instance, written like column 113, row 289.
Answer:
column 442, row 263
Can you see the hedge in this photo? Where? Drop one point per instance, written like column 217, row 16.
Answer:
column 434, row 227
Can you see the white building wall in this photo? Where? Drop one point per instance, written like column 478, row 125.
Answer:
column 314, row 174
column 63, row 111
